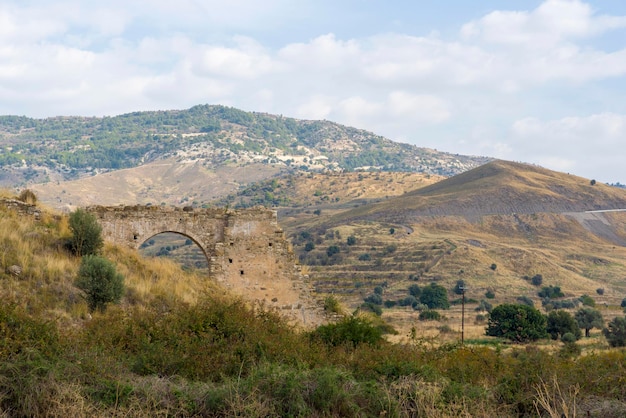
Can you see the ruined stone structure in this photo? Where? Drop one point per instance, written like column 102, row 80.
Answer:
column 246, row 250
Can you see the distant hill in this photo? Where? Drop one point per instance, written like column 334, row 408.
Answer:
column 211, row 137
column 498, row 188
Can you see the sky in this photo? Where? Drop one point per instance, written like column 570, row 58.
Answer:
column 540, row 82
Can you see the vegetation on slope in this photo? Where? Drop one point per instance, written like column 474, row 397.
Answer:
column 177, row 345
column 39, row 150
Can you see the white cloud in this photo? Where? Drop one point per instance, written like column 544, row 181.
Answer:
column 488, row 90
column 586, row 145
column 552, row 22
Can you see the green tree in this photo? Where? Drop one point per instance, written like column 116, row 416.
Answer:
column 414, row 290
column 435, row 296
column 332, row 250
column 86, row 233
column 589, row 318
column 615, row 332
column 537, row 280
column 560, row 323
column 100, row 281
column 520, row 323
column 587, row 300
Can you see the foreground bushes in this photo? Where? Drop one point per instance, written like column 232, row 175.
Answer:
column 221, row 358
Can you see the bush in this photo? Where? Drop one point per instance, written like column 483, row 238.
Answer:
column 537, row 280
column 365, row 257
column 587, row 301
column 484, row 306
column 415, row 290
column 374, row 308
column 332, row 250
column 99, row 280
column 376, row 299
column 86, row 233
column 435, row 297
column 493, row 267
column 429, row 315
column 525, row 300
column 352, row 331
column 408, row 301
column 551, row 292
column 489, row 294
column 615, row 332
column 351, row 240
column 27, row 196
column 309, row 246
column 331, row 304
column 561, row 323
column 520, row 323
column 600, row 291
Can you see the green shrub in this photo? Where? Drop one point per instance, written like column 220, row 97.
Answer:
column 615, row 332
column 435, row 297
column 550, row 292
column 561, row 323
column 537, row 280
column 525, row 300
column 415, row 290
column 520, row 323
column 86, row 233
column 98, row 278
column 587, row 301
column 331, row 304
column 429, row 315
column 352, row 331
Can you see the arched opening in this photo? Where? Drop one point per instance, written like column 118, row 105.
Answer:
column 177, row 247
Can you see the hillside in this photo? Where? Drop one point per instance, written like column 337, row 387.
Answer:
column 515, row 217
column 212, row 138
column 499, row 187
column 180, row 345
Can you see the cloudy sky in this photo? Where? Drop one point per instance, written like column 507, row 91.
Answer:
column 542, row 82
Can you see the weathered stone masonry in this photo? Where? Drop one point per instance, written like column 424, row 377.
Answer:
column 246, row 250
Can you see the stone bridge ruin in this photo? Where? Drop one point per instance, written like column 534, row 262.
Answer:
column 246, row 250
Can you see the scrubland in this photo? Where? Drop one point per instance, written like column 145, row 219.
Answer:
column 179, row 345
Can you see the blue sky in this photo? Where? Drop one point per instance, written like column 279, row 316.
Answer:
column 541, row 82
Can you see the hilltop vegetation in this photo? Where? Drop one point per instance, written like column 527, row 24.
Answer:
column 177, row 345
column 66, row 148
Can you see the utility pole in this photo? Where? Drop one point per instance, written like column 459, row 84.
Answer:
column 462, row 314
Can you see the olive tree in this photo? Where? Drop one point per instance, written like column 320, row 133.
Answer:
column 100, row 281
column 86, row 233
column 560, row 323
column 589, row 318
column 520, row 323
column 615, row 332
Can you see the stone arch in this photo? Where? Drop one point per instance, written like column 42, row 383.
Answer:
column 246, row 250
column 206, row 255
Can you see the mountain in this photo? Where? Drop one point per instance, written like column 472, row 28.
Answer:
column 201, row 142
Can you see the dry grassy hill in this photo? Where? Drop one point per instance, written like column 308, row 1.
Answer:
column 493, row 227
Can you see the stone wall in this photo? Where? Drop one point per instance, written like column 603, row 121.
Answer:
column 246, row 250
